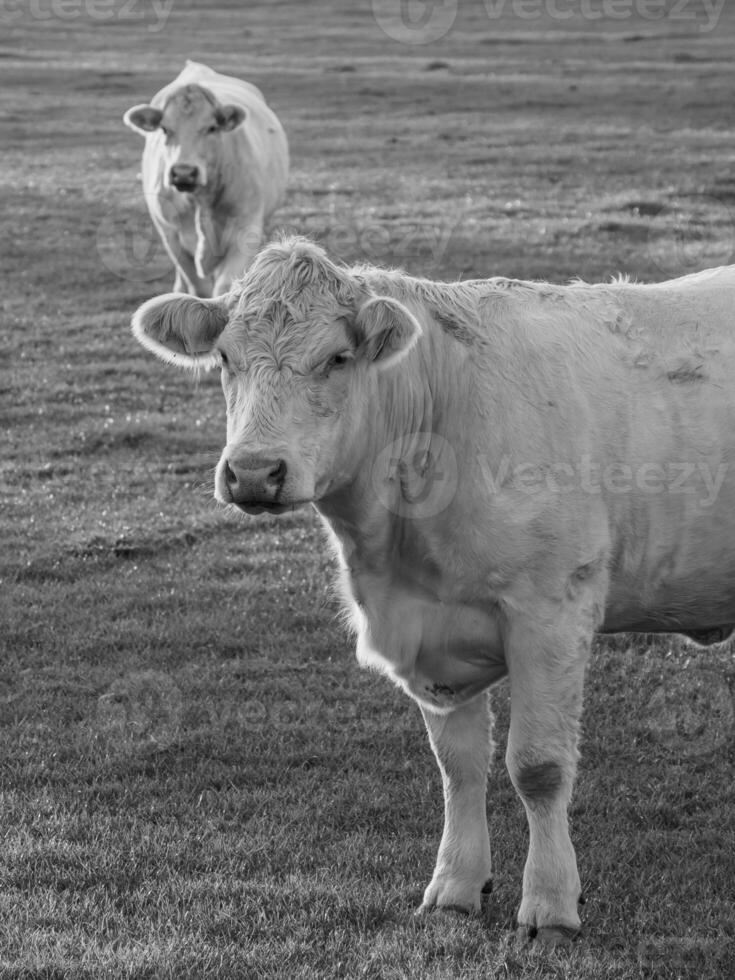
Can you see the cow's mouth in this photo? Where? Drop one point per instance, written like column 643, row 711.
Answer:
column 265, row 508
column 185, row 186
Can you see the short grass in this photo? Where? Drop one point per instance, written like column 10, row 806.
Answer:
column 196, row 779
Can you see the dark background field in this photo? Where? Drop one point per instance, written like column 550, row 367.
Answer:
column 196, row 779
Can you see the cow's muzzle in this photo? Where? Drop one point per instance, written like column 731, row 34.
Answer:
column 184, row 177
column 254, row 483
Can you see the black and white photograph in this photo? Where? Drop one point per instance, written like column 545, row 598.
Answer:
column 367, row 490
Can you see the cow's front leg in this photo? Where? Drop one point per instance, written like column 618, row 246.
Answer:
column 462, row 744
column 546, row 678
column 187, row 279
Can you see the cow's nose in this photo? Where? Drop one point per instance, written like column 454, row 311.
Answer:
column 255, row 480
column 184, row 175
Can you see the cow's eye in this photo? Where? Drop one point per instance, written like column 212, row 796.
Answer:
column 337, row 361
column 213, row 128
column 224, row 360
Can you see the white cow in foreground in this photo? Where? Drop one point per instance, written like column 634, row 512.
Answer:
column 506, row 467
column 215, row 167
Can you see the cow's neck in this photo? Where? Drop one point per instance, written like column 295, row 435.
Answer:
column 409, row 452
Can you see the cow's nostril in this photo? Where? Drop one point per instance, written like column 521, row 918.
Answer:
column 277, row 475
column 230, row 478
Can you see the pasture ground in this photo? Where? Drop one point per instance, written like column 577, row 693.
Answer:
column 196, row 779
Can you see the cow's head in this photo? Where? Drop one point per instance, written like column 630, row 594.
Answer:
column 191, row 124
column 300, row 341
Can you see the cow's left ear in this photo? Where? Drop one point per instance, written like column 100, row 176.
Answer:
column 229, row 117
column 180, row 329
column 388, row 330
column 143, row 118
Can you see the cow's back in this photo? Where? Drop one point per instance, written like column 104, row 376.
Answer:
column 601, row 418
column 616, row 361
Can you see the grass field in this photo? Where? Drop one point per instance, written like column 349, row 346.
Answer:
column 196, row 778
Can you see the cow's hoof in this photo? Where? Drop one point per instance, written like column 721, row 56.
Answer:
column 453, row 895
column 447, row 903
column 551, row 937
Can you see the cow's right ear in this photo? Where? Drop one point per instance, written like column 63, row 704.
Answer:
column 387, row 330
column 143, row 118
column 180, row 329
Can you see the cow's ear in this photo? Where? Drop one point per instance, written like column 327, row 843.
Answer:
column 388, row 330
column 229, row 117
column 180, row 329
column 143, row 118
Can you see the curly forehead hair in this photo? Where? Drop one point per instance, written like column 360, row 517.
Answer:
column 294, row 278
column 190, row 98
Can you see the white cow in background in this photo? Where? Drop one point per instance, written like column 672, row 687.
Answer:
column 506, row 468
column 215, row 167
